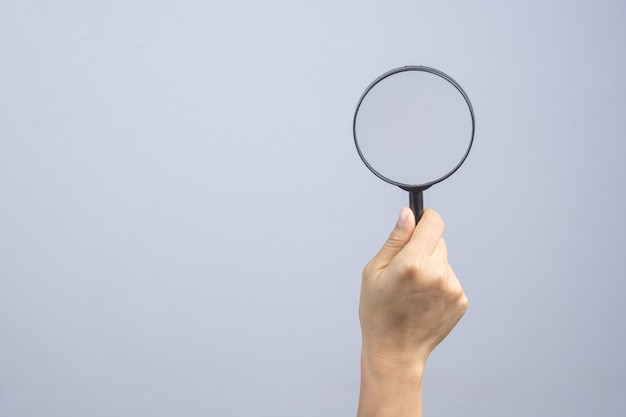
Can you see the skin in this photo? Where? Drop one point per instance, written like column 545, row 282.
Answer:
column 410, row 300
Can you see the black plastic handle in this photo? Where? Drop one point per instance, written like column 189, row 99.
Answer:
column 416, row 201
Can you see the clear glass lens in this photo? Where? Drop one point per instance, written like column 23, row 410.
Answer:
column 413, row 127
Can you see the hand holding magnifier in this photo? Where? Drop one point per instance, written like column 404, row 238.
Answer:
column 414, row 127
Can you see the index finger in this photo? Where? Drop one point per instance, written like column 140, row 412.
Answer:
column 426, row 235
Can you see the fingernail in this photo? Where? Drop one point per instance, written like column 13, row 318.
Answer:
column 403, row 216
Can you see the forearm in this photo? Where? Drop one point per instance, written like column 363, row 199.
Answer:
column 388, row 390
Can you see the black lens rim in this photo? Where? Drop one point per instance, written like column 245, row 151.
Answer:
column 414, row 187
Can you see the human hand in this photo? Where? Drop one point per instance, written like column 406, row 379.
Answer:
column 410, row 297
column 410, row 301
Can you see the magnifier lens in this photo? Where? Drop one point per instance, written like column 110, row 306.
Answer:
column 414, row 127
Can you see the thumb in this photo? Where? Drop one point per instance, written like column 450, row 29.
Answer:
column 399, row 237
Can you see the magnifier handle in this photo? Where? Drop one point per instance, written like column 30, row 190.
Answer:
column 416, row 201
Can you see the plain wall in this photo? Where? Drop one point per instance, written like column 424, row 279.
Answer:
column 184, row 218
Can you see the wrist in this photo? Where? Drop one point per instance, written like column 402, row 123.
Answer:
column 390, row 388
column 404, row 358
column 392, row 366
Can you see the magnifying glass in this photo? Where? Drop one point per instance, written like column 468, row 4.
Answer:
column 414, row 127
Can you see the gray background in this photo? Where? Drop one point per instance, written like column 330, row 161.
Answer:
column 184, row 218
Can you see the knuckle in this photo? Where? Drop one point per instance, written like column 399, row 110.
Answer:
column 439, row 278
column 458, row 295
column 463, row 302
column 458, row 292
column 368, row 269
column 409, row 268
